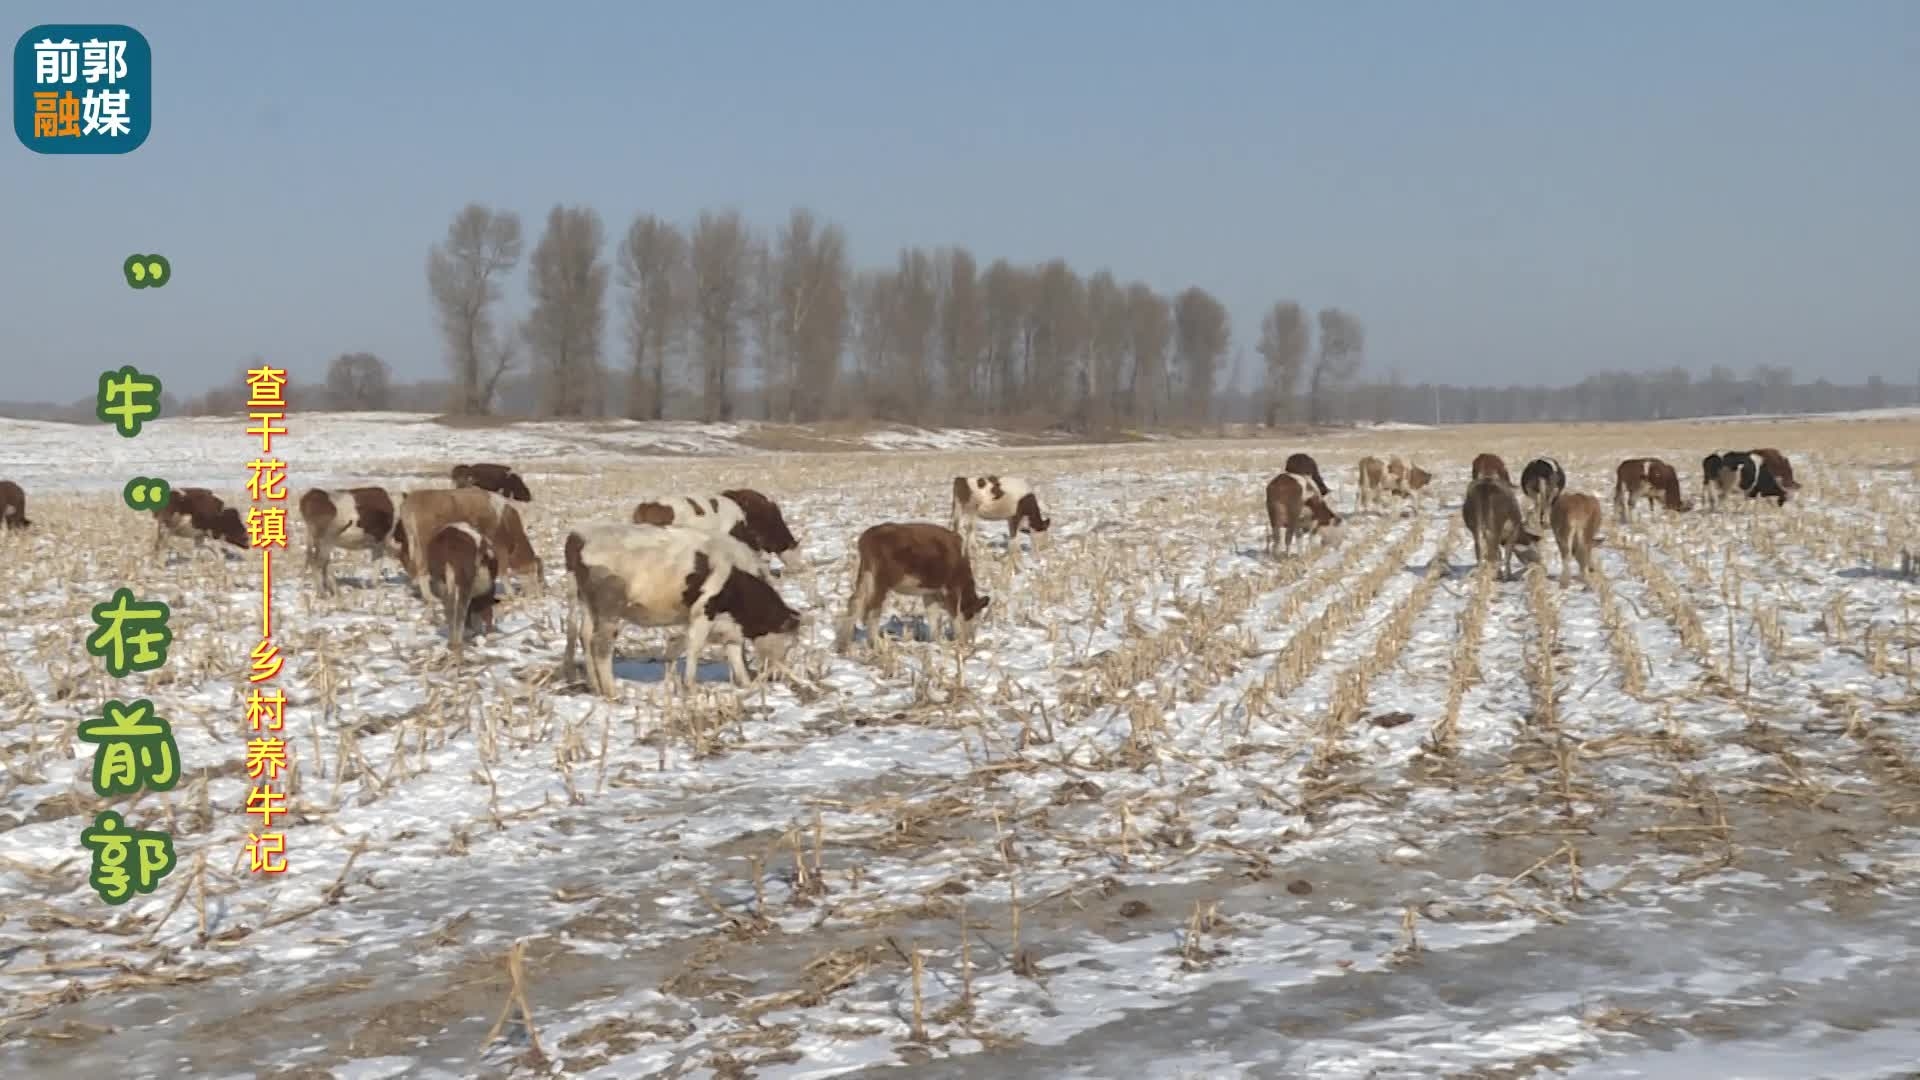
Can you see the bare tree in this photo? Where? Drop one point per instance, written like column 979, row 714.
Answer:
column 1108, row 332
column 1057, row 321
column 1149, row 326
column 963, row 328
column 464, row 274
column 568, row 281
column 1342, row 348
column 875, row 295
column 1201, row 335
column 653, row 269
column 810, row 316
column 358, row 382
column 915, row 310
column 1283, row 345
column 720, row 247
column 1005, row 290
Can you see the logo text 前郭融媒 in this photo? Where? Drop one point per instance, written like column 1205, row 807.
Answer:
column 82, row 88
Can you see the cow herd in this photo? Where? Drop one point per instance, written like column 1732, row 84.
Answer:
column 700, row 562
column 694, row 561
column 1502, row 530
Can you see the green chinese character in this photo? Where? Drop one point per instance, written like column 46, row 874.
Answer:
column 127, row 399
column 127, row 651
column 136, row 749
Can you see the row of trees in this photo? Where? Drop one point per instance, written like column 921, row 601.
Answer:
column 718, row 313
column 362, row 382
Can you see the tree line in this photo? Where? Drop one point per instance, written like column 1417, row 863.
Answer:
column 719, row 320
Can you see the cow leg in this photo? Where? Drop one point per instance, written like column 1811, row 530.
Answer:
column 737, row 663
column 599, row 635
column 1013, row 540
column 573, row 634
column 856, row 603
column 450, row 608
column 697, row 631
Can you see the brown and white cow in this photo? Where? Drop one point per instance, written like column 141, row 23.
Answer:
column 1374, row 482
column 1776, row 463
column 197, row 513
column 1648, row 477
column 1489, row 466
column 461, row 572
column 1541, row 482
column 354, row 519
column 425, row 511
column 769, row 526
column 1492, row 514
column 719, row 515
column 488, row 476
column 668, row 576
column 13, row 506
column 913, row 559
column 1413, row 484
column 1295, row 511
column 996, row 498
column 1576, row 528
column 1304, row 467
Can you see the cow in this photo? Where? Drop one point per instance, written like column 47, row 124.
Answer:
column 1373, row 482
column 13, row 506
column 1413, row 482
column 720, row 515
column 461, row 573
column 1776, row 463
column 356, row 519
column 1636, row 477
column 1294, row 511
column 425, row 511
column 669, row 576
column 1489, row 466
column 914, row 559
column 1740, row 470
column 1499, row 529
column 1306, row 468
column 198, row 513
column 1576, row 526
column 487, row 476
column 1541, row 482
column 996, row 498
column 769, row 527
column 1717, row 478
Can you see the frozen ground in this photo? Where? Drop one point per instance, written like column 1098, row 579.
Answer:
column 1356, row 813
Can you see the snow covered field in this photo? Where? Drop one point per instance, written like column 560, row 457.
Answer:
column 1184, row 811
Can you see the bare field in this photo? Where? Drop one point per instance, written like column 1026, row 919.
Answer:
column 1184, row 810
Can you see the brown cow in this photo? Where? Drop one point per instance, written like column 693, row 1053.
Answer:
column 487, row 476
column 1650, row 477
column 198, row 513
column 1292, row 510
column 356, row 519
column 461, row 570
column 1776, row 463
column 426, row 511
column 13, row 506
column 1414, row 483
column 1576, row 526
column 1499, row 529
column 914, row 559
column 1373, row 482
column 669, row 575
column 1489, row 466
column 1306, row 468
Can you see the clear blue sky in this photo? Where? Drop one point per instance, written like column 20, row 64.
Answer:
column 1501, row 191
